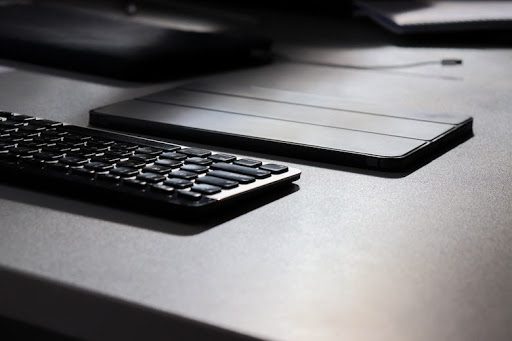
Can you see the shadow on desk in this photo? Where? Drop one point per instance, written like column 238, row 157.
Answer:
column 67, row 74
column 129, row 214
column 16, row 330
column 83, row 76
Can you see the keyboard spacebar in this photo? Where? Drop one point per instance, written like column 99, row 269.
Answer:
column 257, row 173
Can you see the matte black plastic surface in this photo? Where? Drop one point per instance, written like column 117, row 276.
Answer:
column 93, row 42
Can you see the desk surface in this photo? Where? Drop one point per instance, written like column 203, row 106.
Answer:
column 350, row 255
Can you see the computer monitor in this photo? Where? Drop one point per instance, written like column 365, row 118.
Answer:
column 89, row 40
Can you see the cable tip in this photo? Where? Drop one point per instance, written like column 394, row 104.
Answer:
column 451, row 61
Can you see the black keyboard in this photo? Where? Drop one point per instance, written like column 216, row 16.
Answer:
column 129, row 167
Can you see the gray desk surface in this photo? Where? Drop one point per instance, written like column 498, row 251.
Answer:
column 350, row 256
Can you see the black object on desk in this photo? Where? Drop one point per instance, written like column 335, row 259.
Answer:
column 91, row 42
column 291, row 124
column 147, row 173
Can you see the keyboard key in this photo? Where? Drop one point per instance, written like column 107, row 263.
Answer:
column 158, row 169
column 7, row 145
column 73, row 161
column 134, row 183
column 31, row 130
column 82, row 153
column 11, row 124
column 123, row 146
column 144, row 157
column 206, row 189
column 170, row 147
column 257, row 173
column 178, row 183
column 69, row 128
column 46, row 123
column 94, row 143
column 243, row 179
column 62, row 147
column 49, row 138
column 28, row 144
column 106, row 158
column 275, row 168
column 194, row 168
column 223, row 183
column 39, row 143
column 48, row 156
column 54, row 133
column 188, row 195
column 22, row 118
column 162, row 189
column 20, row 136
column 53, row 148
column 151, row 177
column 99, row 166
column 198, row 161
column 96, row 149
column 8, row 127
column 30, row 160
column 105, row 177
column 173, row 156
column 119, row 154
column 26, row 156
column 6, row 114
column 33, row 127
column 222, row 158
column 100, row 142
column 149, row 151
column 6, row 137
column 87, row 173
column 74, row 143
column 58, row 167
column 24, row 151
column 28, row 135
column 183, row 175
column 76, row 138
column 131, row 164
column 124, row 172
column 169, row 163
column 195, row 152
column 247, row 163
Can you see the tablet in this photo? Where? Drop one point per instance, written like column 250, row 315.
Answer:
column 238, row 112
